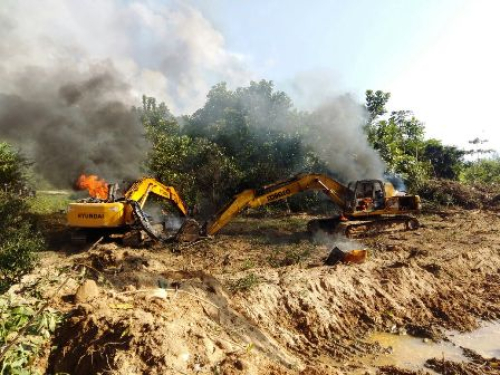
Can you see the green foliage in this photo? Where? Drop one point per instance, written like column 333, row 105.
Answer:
column 239, row 139
column 246, row 283
column 482, row 171
column 446, row 161
column 197, row 167
column 18, row 315
column 13, row 168
column 252, row 136
column 399, row 139
column 252, row 126
column 18, row 242
column 48, row 203
column 375, row 103
column 156, row 118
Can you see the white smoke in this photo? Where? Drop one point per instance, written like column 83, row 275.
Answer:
column 339, row 140
column 71, row 70
column 166, row 50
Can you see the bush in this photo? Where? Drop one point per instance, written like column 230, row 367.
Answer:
column 18, row 242
column 13, row 167
column 482, row 171
column 468, row 196
column 246, row 283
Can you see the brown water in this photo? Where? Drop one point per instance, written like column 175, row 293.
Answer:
column 411, row 353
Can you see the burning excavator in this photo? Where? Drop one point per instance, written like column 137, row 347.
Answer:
column 367, row 206
column 120, row 216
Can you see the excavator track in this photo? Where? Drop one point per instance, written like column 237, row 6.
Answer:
column 360, row 229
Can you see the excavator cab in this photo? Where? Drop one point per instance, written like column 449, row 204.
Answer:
column 365, row 196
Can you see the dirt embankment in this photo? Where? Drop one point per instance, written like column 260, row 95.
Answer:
column 257, row 301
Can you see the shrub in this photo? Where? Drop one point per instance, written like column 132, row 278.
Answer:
column 18, row 242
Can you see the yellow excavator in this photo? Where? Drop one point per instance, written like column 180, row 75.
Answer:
column 367, row 206
column 123, row 216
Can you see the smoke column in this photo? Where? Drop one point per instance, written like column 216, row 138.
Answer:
column 70, row 72
column 339, row 140
column 74, row 124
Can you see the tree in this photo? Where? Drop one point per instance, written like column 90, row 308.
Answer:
column 483, row 171
column 13, row 168
column 446, row 161
column 156, row 118
column 255, row 127
column 195, row 166
column 375, row 103
column 399, row 139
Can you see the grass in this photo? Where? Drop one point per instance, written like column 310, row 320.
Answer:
column 289, row 255
column 248, row 264
column 246, row 283
column 49, row 214
column 45, row 203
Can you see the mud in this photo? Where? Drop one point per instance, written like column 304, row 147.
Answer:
column 258, row 299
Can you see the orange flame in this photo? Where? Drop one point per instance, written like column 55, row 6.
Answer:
column 97, row 188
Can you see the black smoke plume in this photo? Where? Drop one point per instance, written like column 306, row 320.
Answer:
column 69, row 125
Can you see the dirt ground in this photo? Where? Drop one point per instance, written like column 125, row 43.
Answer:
column 257, row 299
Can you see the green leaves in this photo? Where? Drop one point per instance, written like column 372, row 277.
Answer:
column 17, row 316
column 238, row 139
column 18, row 242
column 482, row 171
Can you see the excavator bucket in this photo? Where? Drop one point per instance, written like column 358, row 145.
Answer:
column 189, row 231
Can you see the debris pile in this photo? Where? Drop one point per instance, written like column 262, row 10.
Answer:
column 453, row 193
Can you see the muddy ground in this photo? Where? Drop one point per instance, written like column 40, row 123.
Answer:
column 257, row 299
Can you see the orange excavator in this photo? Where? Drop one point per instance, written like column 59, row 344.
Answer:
column 367, row 206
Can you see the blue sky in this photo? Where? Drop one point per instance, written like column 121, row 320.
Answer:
column 437, row 58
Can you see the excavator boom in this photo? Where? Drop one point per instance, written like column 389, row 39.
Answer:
column 140, row 190
column 276, row 192
column 369, row 205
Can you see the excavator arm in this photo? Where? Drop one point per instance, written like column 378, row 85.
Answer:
column 140, row 190
column 278, row 191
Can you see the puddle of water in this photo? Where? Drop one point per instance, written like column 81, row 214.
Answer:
column 484, row 340
column 410, row 352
